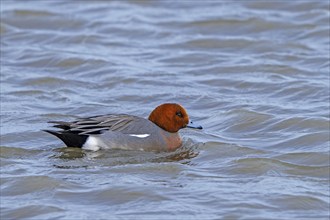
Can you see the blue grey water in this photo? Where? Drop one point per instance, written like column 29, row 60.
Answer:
column 255, row 74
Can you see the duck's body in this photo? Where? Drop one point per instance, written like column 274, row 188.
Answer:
column 159, row 132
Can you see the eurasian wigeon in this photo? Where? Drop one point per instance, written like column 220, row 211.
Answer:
column 159, row 132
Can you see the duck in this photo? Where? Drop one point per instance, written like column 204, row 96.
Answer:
column 159, row 132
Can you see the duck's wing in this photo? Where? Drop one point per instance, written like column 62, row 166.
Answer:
column 97, row 124
column 75, row 134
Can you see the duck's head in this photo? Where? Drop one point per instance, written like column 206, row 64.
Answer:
column 171, row 117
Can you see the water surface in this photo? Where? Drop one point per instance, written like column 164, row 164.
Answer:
column 254, row 74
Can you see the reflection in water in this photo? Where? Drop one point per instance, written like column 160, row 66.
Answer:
column 69, row 153
column 116, row 157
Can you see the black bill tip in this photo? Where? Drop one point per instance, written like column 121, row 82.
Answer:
column 193, row 125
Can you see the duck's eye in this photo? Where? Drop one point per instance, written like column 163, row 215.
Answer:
column 179, row 114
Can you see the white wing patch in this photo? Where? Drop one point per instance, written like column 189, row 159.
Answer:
column 140, row 135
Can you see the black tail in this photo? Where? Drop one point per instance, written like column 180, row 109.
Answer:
column 70, row 139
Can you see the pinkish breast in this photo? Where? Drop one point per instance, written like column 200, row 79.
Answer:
column 173, row 141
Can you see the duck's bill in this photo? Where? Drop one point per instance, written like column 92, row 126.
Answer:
column 193, row 125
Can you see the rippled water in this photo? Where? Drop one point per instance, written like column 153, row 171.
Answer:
column 255, row 74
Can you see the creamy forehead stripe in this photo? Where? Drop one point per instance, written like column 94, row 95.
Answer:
column 140, row 135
